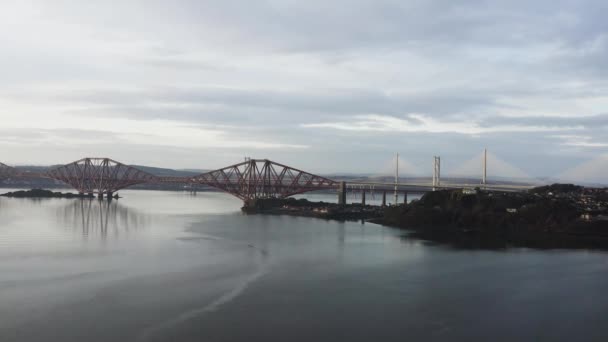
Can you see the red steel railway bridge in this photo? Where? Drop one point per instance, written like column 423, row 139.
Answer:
column 248, row 180
column 251, row 179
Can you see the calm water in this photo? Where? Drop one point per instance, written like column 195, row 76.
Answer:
column 164, row 266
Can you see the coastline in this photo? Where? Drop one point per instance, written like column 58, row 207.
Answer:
column 475, row 239
column 557, row 216
column 543, row 218
column 305, row 208
column 470, row 238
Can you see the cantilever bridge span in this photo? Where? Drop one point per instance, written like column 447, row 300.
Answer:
column 248, row 180
column 251, row 179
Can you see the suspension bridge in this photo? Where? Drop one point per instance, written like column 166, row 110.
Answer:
column 249, row 180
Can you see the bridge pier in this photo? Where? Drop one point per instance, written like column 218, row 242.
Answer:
column 384, row 198
column 405, row 197
column 342, row 193
column 363, row 197
column 436, row 172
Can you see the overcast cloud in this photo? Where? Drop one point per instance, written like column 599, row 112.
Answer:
column 327, row 86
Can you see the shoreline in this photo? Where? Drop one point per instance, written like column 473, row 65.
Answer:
column 475, row 239
column 471, row 238
column 558, row 216
column 305, row 208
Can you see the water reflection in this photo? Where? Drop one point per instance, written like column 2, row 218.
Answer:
column 93, row 217
column 455, row 240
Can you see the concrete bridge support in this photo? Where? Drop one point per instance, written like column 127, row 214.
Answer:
column 384, row 198
column 436, row 172
column 363, row 198
column 342, row 193
column 484, row 178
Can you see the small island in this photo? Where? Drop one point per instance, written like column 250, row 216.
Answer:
column 40, row 193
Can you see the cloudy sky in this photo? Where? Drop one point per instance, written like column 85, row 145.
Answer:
column 323, row 85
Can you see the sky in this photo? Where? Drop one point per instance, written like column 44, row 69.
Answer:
column 325, row 86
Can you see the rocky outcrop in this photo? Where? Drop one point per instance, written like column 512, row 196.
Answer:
column 39, row 193
column 547, row 212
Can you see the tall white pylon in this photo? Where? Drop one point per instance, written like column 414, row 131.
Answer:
column 436, row 172
column 396, row 178
column 484, row 178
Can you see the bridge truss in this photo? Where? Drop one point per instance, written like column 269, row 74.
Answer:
column 262, row 178
column 99, row 175
column 251, row 179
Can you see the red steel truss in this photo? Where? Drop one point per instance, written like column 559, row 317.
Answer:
column 255, row 178
column 262, row 178
column 7, row 171
column 99, row 175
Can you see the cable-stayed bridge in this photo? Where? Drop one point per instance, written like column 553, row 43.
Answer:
column 248, row 180
column 474, row 173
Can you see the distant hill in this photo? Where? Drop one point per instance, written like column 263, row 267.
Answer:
column 157, row 171
column 163, row 172
column 30, row 183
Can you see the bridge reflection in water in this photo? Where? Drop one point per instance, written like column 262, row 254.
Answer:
column 102, row 218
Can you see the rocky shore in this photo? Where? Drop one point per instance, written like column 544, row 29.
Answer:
column 303, row 207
